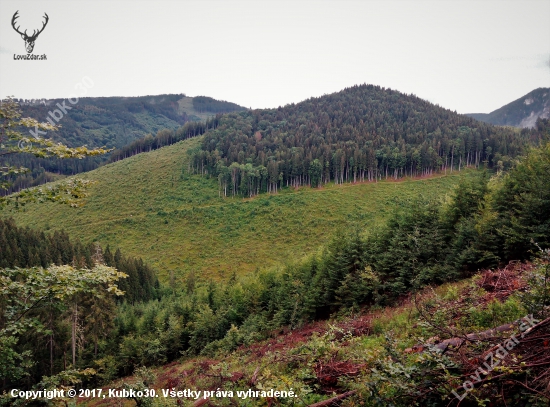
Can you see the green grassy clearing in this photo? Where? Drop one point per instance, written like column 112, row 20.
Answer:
column 150, row 207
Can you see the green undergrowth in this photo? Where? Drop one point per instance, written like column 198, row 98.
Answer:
column 151, row 207
column 384, row 356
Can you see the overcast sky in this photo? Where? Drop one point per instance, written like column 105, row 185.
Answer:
column 466, row 56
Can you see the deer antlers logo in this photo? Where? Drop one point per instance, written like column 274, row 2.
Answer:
column 29, row 39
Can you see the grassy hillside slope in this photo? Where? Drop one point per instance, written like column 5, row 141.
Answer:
column 150, row 207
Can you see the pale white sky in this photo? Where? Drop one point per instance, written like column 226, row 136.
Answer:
column 469, row 56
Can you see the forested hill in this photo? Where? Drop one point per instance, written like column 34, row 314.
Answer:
column 522, row 112
column 361, row 133
column 117, row 121
column 25, row 247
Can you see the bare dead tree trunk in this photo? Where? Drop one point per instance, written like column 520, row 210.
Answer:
column 73, row 339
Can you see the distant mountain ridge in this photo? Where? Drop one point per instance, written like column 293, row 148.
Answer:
column 522, row 112
column 105, row 121
column 117, row 121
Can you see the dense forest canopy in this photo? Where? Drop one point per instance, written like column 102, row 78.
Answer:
column 109, row 121
column 209, row 105
column 117, row 121
column 361, row 133
column 25, row 247
column 56, row 322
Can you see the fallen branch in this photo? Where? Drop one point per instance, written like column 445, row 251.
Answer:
column 328, row 373
column 255, row 376
column 484, row 335
column 329, row 402
column 536, row 326
column 530, row 389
